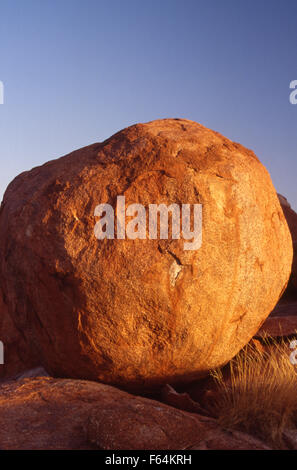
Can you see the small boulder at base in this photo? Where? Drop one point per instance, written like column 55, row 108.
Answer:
column 139, row 313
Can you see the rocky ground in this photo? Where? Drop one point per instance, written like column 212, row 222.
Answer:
column 48, row 413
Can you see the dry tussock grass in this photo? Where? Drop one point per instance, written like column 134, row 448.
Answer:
column 260, row 394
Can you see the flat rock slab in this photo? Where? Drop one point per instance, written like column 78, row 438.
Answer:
column 278, row 327
column 285, row 309
column 47, row 413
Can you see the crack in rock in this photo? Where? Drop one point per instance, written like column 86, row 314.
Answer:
column 174, row 271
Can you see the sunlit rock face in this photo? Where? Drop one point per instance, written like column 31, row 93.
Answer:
column 142, row 312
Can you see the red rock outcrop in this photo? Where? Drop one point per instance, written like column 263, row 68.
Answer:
column 48, row 413
column 291, row 218
column 144, row 312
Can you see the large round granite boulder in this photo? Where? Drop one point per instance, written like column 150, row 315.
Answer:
column 142, row 312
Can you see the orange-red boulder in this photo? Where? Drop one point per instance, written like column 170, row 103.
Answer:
column 144, row 312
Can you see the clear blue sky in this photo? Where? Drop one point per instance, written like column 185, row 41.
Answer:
column 76, row 71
